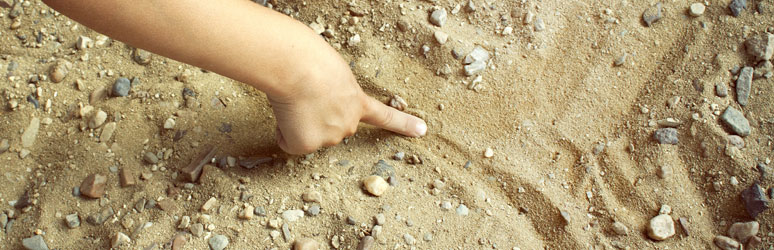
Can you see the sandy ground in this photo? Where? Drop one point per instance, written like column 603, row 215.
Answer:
column 570, row 131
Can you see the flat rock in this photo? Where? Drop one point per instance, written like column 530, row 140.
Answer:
column 721, row 90
column 311, row 196
column 441, row 37
column 666, row 136
column 652, row 14
column 755, row 200
column 462, row 210
column 742, row 231
column 193, row 171
column 438, row 17
column 93, row 186
column 218, row 242
column 30, row 133
column 661, row 227
column 743, row 85
column 737, row 6
column 474, row 68
column 726, row 243
column 736, row 121
column 761, row 47
column 35, row 243
column 179, row 242
column 477, row 54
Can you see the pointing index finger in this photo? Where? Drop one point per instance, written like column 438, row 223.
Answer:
column 386, row 117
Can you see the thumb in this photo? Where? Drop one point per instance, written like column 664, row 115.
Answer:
column 386, row 117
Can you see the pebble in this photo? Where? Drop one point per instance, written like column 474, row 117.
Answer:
column 409, row 239
column 620, row 229
column 209, row 204
column 743, row 231
column 462, row 210
column 121, row 87
column 540, row 25
column 743, row 85
column 72, row 220
column 305, row 244
column 477, row 54
column 98, row 95
column 565, row 216
column 311, row 196
column 185, row 222
column 169, row 123
column 260, row 211
column 100, row 217
column 375, row 185
column 286, row 232
column 755, row 200
column 446, row 205
column 292, row 215
column 380, row 219
column 30, row 133
column 652, row 14
column 151, row 158
column 247, row 213
column 441, row 37
column 735, row 120
column 488, row 153
column 197, row 229
column 4, row 145
column 34, row 101
column 178, row 242
column 736, row 141
column 620, row 60
column 696, row 9
column 721, row 90
column 314, row 210
column 93, row 186
column 398, row 156
column 35, row 243
column 193, row 171
column 761, row 47
column 366, row 243
column 119, row 239
column 470, row 6
column 218, row 242
column 60, row 70
column 666, row 136
column 726, row 243
column 398, row 103
column 428, row 237
column 107, row 132
column 661, row 227
column 474, row 68
column 737, row 6
column 83, row 42
column 438, row 17
column 141, row 56
column 98, row 119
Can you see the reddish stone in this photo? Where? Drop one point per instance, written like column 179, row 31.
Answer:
column 178, row 242
column 193, row 171
column 94, row 186
column 127, row 177
column 166, row 205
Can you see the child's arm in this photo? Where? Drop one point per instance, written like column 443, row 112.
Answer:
column 315, row 97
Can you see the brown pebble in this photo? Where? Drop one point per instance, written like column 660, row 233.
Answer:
column 172, row 191
column 366, row 243
column 127, row 177
column 59, row 71
column 166, row 205
column 178, row 242
column 94, row 185
column 753, row 243
column 98, row 95
column 684, row 224
column 193, row 171
column 305, row 244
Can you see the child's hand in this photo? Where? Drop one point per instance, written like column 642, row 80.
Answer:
column 327, row 106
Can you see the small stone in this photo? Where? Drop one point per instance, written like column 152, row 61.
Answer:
column 696, row 9
column 313, row 210
column 209, row 204
column 652, row 14
column 380, row 219
column 409, row 239
column 98, row 119
column 735, row 120
column 169, row 123
column 743, row 85
column 305, row 244
column 218, row 242
column 72, row 220
column 121, row 87
column 620, row 60
column 260, row 211
column 488, row 153
column 737, row 6
column 565, row 216
column 366, row 243
column 83, row 42
column 507, row 30
column 666, row 136
column 312, row 196
column 736, row 141
column 726, row 243
column 462, row 210
column 4, row 146
column 185, row 222
column 477, row 54
column 193, row 171
column 474, row 68
column 684, row 224
column 664, row 171
column 101, row 216
column 292, row 215
column 150, row 158
column 141, row 56
column 743, row 231
column 60, row 70
column 661, row 227
column 34, row 243
column 247, row 213
column 167, row 205
column 178, row 242
column 31, row 99
column 441, row 37
column 665, row 209
column 375, row 185
column 398, row 103
column 540, row 25
column 755, row 200
column 197, row 229
column 470, row 6
column 93, row 186
column 721, row 90
column 30, row 133
column 286, row 232
column 107, row 132
column 620, row 229
column 438, row 17
column 761, row 47
column 119, row 239
column 127, row 177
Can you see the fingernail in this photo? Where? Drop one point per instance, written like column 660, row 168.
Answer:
column 421, row 129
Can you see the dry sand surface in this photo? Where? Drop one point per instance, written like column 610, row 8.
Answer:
column 570, row 124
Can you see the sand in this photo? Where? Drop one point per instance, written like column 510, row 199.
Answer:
column 570, row 132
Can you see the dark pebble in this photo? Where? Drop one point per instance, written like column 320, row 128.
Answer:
column 101, row 216
column 33, row 100
column 121, row 87
column 23, row 201
column 77, row 191
column 188, row 92
column 737, row 6
column 260, row 211
column 150, row 204
column 755, row 200
column 666, row 136
column 385, row 171
column 34, row 243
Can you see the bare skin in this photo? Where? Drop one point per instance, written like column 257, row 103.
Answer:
column 314, row 95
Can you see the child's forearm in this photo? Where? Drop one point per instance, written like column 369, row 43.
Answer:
column 235, row 38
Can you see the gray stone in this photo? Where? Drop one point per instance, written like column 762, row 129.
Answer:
column 16, row 10
column 398, row 156
column 35, row 243
column 721, row 90
column 735, row 120
column 462, row 210
column 101, row 216
column 151, row 158
column 475, row 68
column 34, row 101
column 197, row 229
column 4, row 146
column 742, row 231
column 313, row 210
column 737, row 6
column 292, row 215
column 260, row 211
column 763, row 70
column 121, row 87
column 761, row 47
column 652, row 14
column 477, row 54
column 755, row 200
column 743, row 85
column 661, row 227
column 409, row 239
column 3, row 220
column 72, row 220
column 386, row 171
column 218, row 242
column 540, row 25
column 666, row 136
column 726, row 243
column 141, row 56
column 620, row 229
column 438, row 17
